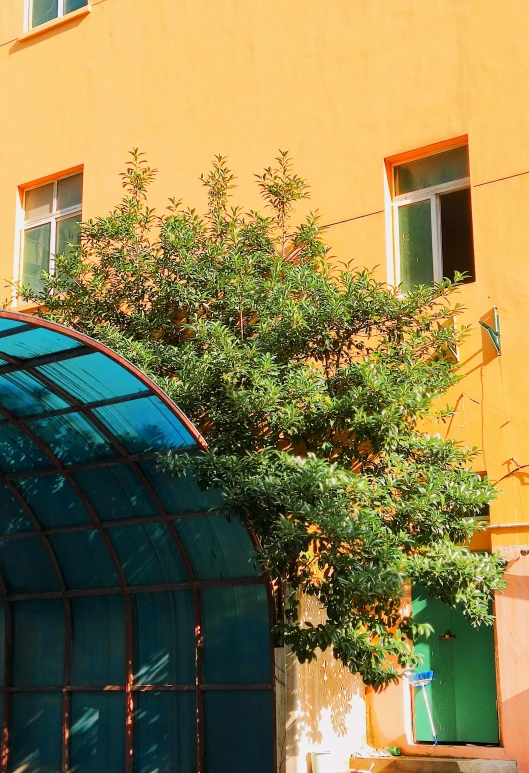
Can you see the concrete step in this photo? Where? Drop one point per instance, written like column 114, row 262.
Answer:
column 414, row 764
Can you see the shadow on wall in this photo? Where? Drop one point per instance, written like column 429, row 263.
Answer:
column 325, row 698
column 325, row 707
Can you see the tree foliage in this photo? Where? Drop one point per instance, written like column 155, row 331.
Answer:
column 312, row 386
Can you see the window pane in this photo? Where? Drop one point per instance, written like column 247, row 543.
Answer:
column 26, row 566
column 148, row 554
column 180, row 494
column 73, row 438
column 36, row 256
column 73, row 5
column 39, row 202
column 98, row 655
column 165, row 732
column 145, row 424
column 238, row 729
column 18, row 453
column 9, row 324
column 415, row 239
column 37, row 342
column 35, row 733
column 68, row 233
column 217, row 548
column 24, row 395
column 98, row 732
column 53, row 501
column 432, row 170
column 164, row 638
column 13, row 519
column 456, row 234
column 116, row 492
column 84, row 560
column 38, row 643
column 236, row 625
column 70, row 189
column 93, row 377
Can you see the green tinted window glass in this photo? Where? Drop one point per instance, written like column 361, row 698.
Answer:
column 53, row 501
column 432, row 170
column 180, row 494
column 23, row 395
column 36, row 343
column 93, row 377
column 35, row 732
column 165, row 732
column 164, row 638
column 13, row 519
column 116, row 492
column 98, row 647
column 415, row 240
column 18, row 453
column 148, row 554
column 217, row 548
column 73, row 5
column 73, row 438
column 97, row 737
column 236, row 627
column 229, row 742
column 95, row 570
column 36, row 255
column 67, row 234
column 145, row 424
column 9, row 324
column 43, row 11
column 26, row 567
column 38, row 643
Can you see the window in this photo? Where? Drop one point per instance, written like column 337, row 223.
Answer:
column 41, row 11
column 433, row 218
column 51, row 224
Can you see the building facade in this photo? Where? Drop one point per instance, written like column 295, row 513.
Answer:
column 409, row 121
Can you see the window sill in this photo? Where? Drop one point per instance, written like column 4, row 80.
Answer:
column 54, row 23
column 25, row 307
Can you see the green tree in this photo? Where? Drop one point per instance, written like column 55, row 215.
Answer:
column 310, row 385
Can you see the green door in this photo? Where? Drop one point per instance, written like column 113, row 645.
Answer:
column 463, row 692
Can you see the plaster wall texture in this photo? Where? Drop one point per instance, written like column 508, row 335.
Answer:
column 325, row 708
column 344, row 86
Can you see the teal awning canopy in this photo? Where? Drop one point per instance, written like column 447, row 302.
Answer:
column 120, row 582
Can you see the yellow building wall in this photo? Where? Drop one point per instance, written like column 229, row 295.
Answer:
column 343, row 84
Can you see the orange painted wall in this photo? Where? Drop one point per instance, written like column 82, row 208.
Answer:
column 344, row 85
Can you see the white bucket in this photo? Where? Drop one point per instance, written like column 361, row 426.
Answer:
column 322, row 762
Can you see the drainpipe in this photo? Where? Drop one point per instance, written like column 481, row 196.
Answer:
column 520, row 525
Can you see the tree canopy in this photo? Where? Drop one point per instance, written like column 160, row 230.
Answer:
column 312, row 385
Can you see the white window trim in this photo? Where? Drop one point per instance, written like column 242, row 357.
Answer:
column 29, row 14
column 431, row 194
column 55, row 217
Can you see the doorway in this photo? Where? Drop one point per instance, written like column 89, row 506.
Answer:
column 463, row 693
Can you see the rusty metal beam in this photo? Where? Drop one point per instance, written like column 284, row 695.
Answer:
column 141, row 520
column 264, row 686
column 73, row 468
column 8, row 639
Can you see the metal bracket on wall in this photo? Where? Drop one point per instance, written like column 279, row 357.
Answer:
column 494, row 332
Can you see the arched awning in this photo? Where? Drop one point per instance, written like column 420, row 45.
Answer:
column 136, row 626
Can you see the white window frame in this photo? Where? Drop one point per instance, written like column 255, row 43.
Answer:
column 432, row 195
column 54, row 218
column 29, row 13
